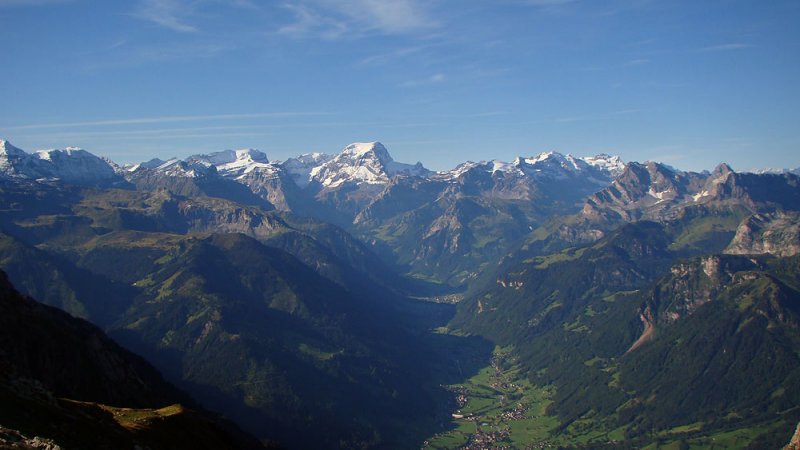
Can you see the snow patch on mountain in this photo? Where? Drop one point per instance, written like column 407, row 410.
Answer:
column 548, row 165
column 73, row 165
column 461, row 169
column 9, row 155
column 300, row 168
column 152, row 164
column 773, row 170
column 613, row 164
column 179, row 168
column 235, row 163
column 362, row 162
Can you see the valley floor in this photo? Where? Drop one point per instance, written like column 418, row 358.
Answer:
column 499, row 408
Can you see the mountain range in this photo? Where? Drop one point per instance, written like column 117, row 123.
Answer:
column 617, row 303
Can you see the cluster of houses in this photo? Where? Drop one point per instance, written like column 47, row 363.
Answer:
column 517, row 413
column 489, row 439
column 484, row 437
column 461, row 396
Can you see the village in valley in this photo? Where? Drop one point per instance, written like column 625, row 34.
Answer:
column 497, row 409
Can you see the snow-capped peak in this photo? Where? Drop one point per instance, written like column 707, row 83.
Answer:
column 552, row 162
column 547, row 165
column 152, row 164
column 251, row 154
column 541, row 157
column 229, row 163
column 178, row 168
column 7, row 149
column 72, row 165
column 243, row 156
column 362, row 162
column 50, row 154
column 362, row 149
column 612, row 164
column 300, row 167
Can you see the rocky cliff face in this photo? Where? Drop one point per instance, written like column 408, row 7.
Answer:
column 747, row 282
column 693, row 283
column 644, row 191
column 775, row 233
column 794, row 443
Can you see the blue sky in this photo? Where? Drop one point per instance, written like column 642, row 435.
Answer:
column 690, row 83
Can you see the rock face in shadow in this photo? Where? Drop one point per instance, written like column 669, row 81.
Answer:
column 73, row 358
column 63, row 382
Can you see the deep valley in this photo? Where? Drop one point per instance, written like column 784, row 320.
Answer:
column 352, row 301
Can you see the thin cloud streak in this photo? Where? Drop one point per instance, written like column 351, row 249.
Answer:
column 590, row 118
column 172, row 133
column 165, row 13
column 149, row 132
column 726, row 47
column 474, row 115
column 637, row 62
column 167, row 119
column 381, row 59
column 24, row 3
column 433, row 79
column 549, row 2
column 189, row 136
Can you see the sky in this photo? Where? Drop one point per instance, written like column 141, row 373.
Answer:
column 689, row 83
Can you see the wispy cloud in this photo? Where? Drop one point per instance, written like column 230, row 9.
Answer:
column 384, row 58
column 665, row 84
column 166, row 119
column 421, row 142
column 623, row 65
column 123, row 53
column 594, row 8
column 310, row 23
column 116, row 44
column 146, row 132
column 636, row 62
column 330, row 19
column 178, row 51
column 552, row 6
column 433, row 79
column 476, row 115
column 547, row 3
column 164, row 136
column 626, row 111
column 10, row 3
column 570, row 119
column 169, row 14
column 397, row 16
column 182, row 15
column 594, row 117
column 727, row 47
